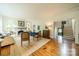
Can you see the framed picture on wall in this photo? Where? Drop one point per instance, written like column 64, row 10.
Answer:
column 21, row 23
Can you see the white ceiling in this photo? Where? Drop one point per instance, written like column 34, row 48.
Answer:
column 38, row 10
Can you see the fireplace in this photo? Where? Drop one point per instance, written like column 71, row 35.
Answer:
column 20, row 31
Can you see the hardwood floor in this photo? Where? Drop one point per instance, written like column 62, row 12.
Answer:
column 55, row 48
column 51, row 48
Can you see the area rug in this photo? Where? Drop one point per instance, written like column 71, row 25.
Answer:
column 34, row 46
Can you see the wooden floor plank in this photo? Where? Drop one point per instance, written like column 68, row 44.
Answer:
column 54, row 48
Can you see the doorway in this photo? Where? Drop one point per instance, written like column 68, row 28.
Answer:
column 64, row 29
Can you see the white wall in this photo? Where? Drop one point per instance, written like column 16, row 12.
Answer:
column 11, row 23
column 1, row 27
column 8, row 23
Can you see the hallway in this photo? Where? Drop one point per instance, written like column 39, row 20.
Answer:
column 58, row 48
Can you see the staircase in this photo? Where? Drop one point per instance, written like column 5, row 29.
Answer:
column 68, row 33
